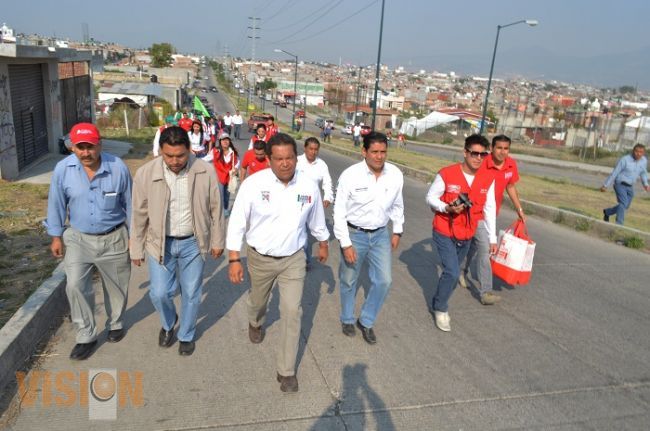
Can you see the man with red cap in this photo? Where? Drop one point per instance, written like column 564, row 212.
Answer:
column 91, row 190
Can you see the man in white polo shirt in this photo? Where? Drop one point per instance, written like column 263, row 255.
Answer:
column 227, row 122
column 369, row 194
column 314, row 167
column 237, row 121
column 277, row 205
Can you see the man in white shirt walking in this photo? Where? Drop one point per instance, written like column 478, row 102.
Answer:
column 277, row 205
column 369, row 194
column 314, row 167
column 227, row 122
column 237, row 121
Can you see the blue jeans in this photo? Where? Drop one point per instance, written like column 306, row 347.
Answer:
column 225, row 195
column 237, row 131
column 182, row 265
column 624, row 195
column 452, row 252
column 375, row 247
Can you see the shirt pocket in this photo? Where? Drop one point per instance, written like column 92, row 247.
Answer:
column 361, row 195
column 109, row 200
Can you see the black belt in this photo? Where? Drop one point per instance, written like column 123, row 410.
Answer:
column 180, row 238
column 626, row 184
column 111, row 230
column 268, row 255
column 361, row 229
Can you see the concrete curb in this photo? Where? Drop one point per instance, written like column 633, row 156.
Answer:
column 580, row 222
column 30, row 325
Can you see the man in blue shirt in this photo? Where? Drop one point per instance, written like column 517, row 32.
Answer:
column 624, row 175
column 93, row 190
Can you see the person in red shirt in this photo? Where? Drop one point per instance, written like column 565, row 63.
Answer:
column 254, row 160
column 271, row 129
column 462, row 198
column 504, row 169
column 225, row 159
column 185, row 122
column 260, row 135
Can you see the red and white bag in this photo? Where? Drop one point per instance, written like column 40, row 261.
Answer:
column 513, row 261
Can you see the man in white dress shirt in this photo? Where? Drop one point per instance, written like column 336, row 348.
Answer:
column 314, row 167
column 456, row 219
column 237, row 121
column 369, row 194
column 277, row 205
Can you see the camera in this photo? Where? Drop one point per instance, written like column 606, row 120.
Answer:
column 462, row 199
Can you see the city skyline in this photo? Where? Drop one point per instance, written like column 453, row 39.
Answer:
column 605, row 45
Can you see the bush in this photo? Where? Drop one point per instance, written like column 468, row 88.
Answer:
column 448, row 140
column 634, row 242
column 582, row 225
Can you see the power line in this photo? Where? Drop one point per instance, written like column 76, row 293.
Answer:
column 282, row 9
column 313, row 35
column 310, row 23
column 297, row 21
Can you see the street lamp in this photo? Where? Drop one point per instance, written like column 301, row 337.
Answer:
column 531, row 23
column 295, row 86
column 381, row 30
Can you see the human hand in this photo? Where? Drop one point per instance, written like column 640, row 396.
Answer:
column 216, row 252
column 136, row 262
column 350, row 255
column 603, row 189
column 323, row 252
column 326, row 204
column 236, row 272
column 394, row 241
column 57, row 247
column 493, row 249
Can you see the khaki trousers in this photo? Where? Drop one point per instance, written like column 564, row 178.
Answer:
column 290, row 274
column 110, row 255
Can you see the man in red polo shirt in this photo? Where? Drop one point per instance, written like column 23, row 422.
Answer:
column 506, row 175
column 254, row 160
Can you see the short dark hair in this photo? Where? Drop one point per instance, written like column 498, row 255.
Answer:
column 637, row 146
column 476, row 139
column 280, row 139
column 501, row 138
column 312, row 140
column 259, row 145
column 262, row 125
column 374, row 137
column 174, row 136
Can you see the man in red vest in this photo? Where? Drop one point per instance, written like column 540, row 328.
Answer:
column 506, row 175
column 461, row 195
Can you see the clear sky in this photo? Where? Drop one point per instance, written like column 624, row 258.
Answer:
column 426, row 34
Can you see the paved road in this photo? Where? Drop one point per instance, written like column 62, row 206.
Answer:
column 569, row 351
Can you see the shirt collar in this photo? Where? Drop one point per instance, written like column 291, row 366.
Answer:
column 489, row 162
column 368, row 171
column 291, row 182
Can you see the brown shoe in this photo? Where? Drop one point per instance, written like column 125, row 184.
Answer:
column 256, row 335
column 288, row 383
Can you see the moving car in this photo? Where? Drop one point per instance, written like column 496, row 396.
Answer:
column 257, row 118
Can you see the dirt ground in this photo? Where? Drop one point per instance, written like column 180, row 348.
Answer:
column 25, row 259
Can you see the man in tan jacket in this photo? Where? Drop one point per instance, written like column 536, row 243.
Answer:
column 177, row 218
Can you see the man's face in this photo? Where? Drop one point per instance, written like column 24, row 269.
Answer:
column 375, row 156
column 88, row 154
column 283, row 162
column 474, row 156
column 237, row 112
column 638, row 153
column 311, row 152
column 175, row 156
column 500, row 151
column 260, row 154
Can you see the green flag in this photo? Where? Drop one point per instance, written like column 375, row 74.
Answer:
column 198, row 106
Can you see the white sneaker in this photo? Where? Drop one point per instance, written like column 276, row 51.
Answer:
column 442, row 320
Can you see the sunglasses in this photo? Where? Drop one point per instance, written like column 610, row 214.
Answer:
column 476, row 154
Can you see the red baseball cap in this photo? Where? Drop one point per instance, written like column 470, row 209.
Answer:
column 84, row 132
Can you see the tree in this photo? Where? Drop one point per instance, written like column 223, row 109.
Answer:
column 161, row 54
column 267, row 84
column 627, row 89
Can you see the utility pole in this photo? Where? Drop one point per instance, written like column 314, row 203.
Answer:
column 381, row 31
column 253, row 27
column 356, row 100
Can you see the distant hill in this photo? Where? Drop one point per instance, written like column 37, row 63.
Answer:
column 609, row 70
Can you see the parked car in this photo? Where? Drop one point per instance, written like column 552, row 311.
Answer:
column 214, row 89
column 257, row 118
column 319, row 123
column 283, row 104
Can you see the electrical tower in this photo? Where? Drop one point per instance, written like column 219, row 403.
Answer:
column 253, row 27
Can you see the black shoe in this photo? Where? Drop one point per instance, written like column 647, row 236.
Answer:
column 348, row 329
column 605, row 216
column 115, row 335
column 288, row 383
column 166, row 338
column 83, row 351
column 368, row 333
column 256, row 335
column 185, row 348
